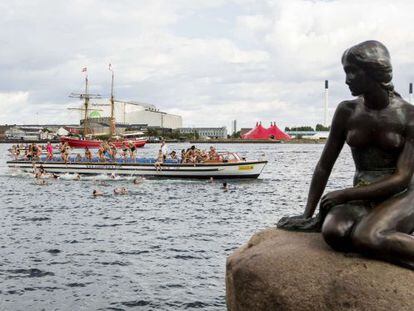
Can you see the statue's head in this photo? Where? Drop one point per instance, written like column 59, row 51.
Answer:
column 369, row 58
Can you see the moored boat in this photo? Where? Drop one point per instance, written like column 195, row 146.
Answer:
column 96, row 143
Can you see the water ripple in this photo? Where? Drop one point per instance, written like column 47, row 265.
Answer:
column 161, row 247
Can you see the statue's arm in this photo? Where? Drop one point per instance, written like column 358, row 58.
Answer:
column 329, row 155
column 385, row 187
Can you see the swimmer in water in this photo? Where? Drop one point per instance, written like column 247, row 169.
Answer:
column 121, row 190
column 225, row 187
column 41, row 182
column 211, row 180
column 138, row 181
column 96, row 193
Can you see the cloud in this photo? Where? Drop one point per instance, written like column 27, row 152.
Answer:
column 210, row 61
column 13, row 104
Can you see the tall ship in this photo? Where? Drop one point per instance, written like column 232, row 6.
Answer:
column 88, row 139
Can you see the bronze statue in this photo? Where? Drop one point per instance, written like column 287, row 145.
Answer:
column 375, row 217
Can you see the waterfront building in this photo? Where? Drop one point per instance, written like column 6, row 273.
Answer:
column 245, row 130
column 309, row 134
column 205, row 132
column 154, row 118
column 23, row 133
column 101, row 126
column 135, row 113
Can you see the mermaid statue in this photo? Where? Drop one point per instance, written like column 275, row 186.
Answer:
column 375, row 217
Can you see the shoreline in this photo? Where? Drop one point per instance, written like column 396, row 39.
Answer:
column 212, row 141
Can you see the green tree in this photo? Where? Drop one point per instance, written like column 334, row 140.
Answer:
column 153, row 132
column 320, row 127
column 302, row 129
column 235, row 135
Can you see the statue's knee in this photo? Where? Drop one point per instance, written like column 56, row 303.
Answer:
column 335, row 236
column 366, row 239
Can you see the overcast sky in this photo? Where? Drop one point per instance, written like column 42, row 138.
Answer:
column 210, row 61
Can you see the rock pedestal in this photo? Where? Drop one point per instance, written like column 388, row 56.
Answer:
column 282, row 270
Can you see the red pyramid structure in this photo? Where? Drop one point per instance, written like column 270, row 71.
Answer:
column 259, row 132
column 277, row 133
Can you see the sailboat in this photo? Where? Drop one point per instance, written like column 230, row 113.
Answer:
column 96, row 143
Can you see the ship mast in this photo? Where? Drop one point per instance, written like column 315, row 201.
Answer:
column 112, row 120
column 112, row 100
column 86, row 105
column 86, row 97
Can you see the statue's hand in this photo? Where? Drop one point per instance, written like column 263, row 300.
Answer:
column 333, row 198
column 299, row 223
column 289, row 220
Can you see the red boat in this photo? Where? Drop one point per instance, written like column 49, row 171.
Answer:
column 95, row 143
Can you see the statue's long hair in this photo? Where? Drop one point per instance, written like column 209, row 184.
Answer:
column 373, row 57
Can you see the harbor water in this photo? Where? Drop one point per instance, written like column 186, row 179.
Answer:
column 163, row 246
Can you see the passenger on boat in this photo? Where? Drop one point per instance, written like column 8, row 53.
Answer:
column 183, row 156
column 67, row 151
column 124, row 150
column 164, row 150
column 33, row 151
column 112, row 151
column 49, row 149
column 202, row 156
column 213, row 155
column 101, row 152
column 39, row 151
column 27, row 154
column 131, row 149
column 106, row 150
column 173, row 155
column 17, row 154
column 78, row 157
column 15, row 151
column 160, row 161
column 64, row 152
column 88, row 154
column 191, row 156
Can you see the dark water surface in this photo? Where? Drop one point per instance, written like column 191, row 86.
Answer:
column 161, row 247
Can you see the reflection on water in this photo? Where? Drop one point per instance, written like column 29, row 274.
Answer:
column 161, row 247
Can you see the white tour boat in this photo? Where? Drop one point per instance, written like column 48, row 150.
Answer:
column 232, row 166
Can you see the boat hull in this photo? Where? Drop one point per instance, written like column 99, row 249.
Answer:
column 248, row 169
column 95, row 143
